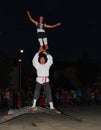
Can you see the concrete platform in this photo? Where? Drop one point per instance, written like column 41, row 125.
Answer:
column 90, row 116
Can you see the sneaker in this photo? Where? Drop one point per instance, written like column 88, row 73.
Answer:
column 56, row 111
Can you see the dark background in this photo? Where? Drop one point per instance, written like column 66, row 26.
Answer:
column 79, row 34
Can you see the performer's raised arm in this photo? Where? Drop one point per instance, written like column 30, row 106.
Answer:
column 31, row 19
column 52, row 26
column 41, row 32
column 49, row 59
column 35, row 61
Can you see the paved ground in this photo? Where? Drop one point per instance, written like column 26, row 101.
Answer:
column 90, row 116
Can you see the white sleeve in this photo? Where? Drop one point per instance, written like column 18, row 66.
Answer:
column 49, row 60
column 35, row 62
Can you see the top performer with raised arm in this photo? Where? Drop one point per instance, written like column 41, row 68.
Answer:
column 41, row 33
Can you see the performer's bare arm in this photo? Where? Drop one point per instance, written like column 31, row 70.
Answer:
column 31, row 19
column 49, row 58
column 52, row 26
column 44, row 52
column 39, row 51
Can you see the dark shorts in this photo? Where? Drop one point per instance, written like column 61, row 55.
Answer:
column 41, row 35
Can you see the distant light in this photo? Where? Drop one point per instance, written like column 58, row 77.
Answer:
column 21, row 51
column 19, row 60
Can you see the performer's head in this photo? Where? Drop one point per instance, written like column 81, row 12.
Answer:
column 42, row 58
column 41, row 19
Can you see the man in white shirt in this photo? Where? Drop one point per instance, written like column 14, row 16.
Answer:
column 42, row 62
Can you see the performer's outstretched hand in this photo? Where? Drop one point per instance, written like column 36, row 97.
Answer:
column 44, row 52
column 58, row 24
column 28, row 12
column 39, row 51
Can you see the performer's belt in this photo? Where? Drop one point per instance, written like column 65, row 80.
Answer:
column 44, row 77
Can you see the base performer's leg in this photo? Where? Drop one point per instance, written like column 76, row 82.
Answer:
column 36, row 94
column 48, row 94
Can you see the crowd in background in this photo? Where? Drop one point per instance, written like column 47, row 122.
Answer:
column 78, row 96
column 9, row 99
column 74, row 97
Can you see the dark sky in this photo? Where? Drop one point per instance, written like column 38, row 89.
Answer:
column 79, row 33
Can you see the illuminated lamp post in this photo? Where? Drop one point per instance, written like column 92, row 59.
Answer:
column 20, row 70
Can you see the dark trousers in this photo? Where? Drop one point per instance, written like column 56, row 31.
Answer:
column 47, row 91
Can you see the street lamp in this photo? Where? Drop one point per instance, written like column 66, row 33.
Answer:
column 21, row 51
column 20, row 70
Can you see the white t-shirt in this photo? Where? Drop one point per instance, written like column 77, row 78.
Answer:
column 42, row 69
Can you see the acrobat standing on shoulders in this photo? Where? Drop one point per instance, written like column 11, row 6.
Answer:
column 42, row 62
column 41, row 33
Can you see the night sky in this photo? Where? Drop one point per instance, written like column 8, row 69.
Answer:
column 79, row 33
